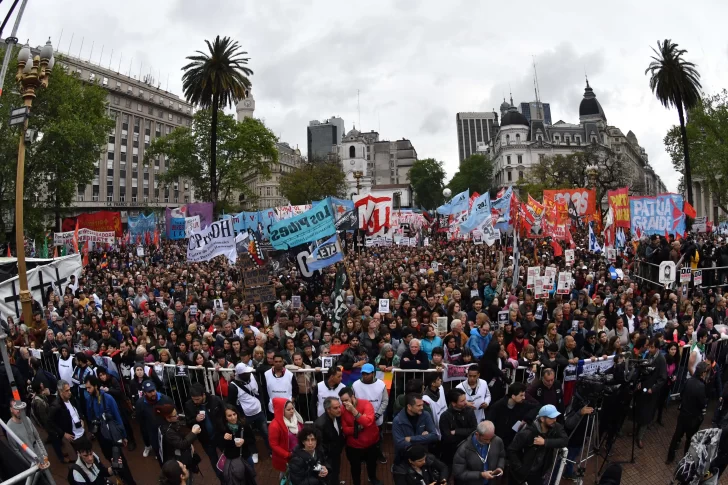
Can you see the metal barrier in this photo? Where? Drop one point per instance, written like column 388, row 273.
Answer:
column 31, row 474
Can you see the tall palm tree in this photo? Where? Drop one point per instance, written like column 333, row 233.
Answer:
column 216, row 80
column 676, row 82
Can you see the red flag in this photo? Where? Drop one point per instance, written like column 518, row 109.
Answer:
column 639, row 233
column 9, row 254
column 689, row 210
column 156, row 237
column 75, row 238
column 147, row 238
column 85, row 253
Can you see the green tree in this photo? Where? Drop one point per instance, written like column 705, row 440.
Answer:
column 676, row 83
column 71, row 122
column 475, row 173
column 573, row 170
column 245, row 149
column 314, row 181
column 214, row 81
column 427, row 178
column 707, row 133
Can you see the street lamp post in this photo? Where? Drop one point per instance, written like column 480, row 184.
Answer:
column 33, row 73
column 358, row 174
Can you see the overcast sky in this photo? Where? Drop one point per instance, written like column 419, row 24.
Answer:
column 415, row 63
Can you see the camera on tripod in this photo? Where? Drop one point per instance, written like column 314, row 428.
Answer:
column 596, row 386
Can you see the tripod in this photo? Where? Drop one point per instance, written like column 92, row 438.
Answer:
column 590, row 443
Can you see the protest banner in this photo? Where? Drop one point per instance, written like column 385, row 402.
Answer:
column 584, row 201
column 216, row 239
column 256, row 276
column 101, row 221
column 374, row 214
column 326, row 253
column 176, row 229
column 314, row 224
column 700, row 224
column 288, row 211
column 587, row 367
column 657, row 215
column 533, row 273
column 141, row 224
column 455, row 373
column 192, row 224
column 619, row 202
column 55, row 274
column 550, row 275
column 260, row 294
column 84, row 235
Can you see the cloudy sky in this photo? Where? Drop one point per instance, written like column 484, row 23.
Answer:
column 415, row 63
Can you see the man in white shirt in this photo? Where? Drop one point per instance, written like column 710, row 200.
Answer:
column 279, row 382
column 435, row 396
column 243, row 391
column 328, row 388
column 476, row 391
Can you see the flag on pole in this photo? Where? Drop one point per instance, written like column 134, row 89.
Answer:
column 156, row 237
column 593, row 243
column 689, row 210
column 9, row 253
column 340, row 308
column 75, row 238
column 456, row 205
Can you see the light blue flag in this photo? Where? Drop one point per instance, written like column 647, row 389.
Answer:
column 478, row 212
column 325, row 254
column 503, row 206
column 456, row 205
column 593, row 243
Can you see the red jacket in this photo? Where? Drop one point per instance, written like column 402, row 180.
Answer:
column 368, row 432
column 278, row 435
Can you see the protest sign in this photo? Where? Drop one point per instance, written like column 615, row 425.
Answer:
column 296, row 302
column 564, row 287
column 192, row 224
column 550, row 275
column 698, row 278
column 84, row 235
column 587, row 368
column 569, row 255
column 442, row 326
column 533, row 273
column 260, row 294
column 176, row 228
column 316, row 223
column 685, row 275
column 216, row 239
column 700, row 224
column 619, row 202
column 657, row 215
column 383, row 305
column 455, row 373
column 256, row 276
column 611, row 255
column 502, row 318
column 217, row 305
column 140, row 251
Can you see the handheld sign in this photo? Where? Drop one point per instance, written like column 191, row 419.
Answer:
column 698, row 278
column 569, row 255
column 383, row 305
column 685, row 275
column 502, row 318
column 296, row 302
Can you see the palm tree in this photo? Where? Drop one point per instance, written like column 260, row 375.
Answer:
column 216, row 80
column 676, row 82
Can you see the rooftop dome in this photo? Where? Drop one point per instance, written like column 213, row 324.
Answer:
column 353, row 132
column 590, row 106
column 513, row 117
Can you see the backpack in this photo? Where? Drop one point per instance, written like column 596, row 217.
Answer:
column 76, row 468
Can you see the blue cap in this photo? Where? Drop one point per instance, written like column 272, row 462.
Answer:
column 549, row 411
column 367, row 369
column 148, row 386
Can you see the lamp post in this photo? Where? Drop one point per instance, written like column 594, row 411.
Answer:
column 33, row 73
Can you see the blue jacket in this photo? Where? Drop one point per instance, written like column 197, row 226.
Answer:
column 477, row 343
column 428, row 345
column 104, row 403
column 402, row 427
column 488, row 295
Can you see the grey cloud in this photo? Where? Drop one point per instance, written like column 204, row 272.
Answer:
column 435, row 121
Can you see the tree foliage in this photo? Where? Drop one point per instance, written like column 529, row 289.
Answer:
column 707, row 134
column 215, row 80
column 314, row 181
column 244, row 149
column 570, row 171
column 475, row 173
column 427, row 178
column 70, row 118
column 676, row 82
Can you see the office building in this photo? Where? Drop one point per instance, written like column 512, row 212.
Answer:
column 143, row 112
column 472, row 129
column 323, row 138
column 536, row 110
column 268, row 191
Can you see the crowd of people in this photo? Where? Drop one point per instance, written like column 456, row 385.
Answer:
column 154, row 355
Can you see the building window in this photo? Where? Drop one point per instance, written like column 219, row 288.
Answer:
column 150, row 110
column 508, row 159
column 510, row 177
column 352, row 152
column 518, row 138
column 160, row 113
column 508, row 139
column 170, row 116
column 520, row 158
column 117, row 99
column 139, row 107
column 541, row 158
column 539, row 138
column 520, row 175
column 578, row 140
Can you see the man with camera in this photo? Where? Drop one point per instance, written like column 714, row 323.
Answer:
column 106, row 424
column 87, row 469
column 576, row 418
column 531, row 453
column 692, row 409
column 650, row 385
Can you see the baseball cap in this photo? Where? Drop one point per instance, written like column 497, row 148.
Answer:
column 241, row 368
column 148, row 386
column 548, row 411
column 367, row 369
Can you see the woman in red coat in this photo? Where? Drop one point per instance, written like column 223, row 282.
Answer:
column 283, row 432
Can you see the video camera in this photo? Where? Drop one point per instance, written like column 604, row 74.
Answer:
column 596, row 386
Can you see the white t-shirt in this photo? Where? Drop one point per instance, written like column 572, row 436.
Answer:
column 438, row 407
column 477, row 396
column 78, row 431
column 278, row 386
column 248, row 401
column 373, row 393
column 65, row 368
column 322, row 392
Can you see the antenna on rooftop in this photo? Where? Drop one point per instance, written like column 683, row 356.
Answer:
column 71, row 43
column 92, row 50
column 538, row 94
column 358, row 107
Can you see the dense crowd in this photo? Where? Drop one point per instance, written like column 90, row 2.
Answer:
column 174, row 347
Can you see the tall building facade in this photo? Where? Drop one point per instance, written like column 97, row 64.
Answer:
column 142, row 112
column 323, row 138
column 268, row 191
column 521, row 143
column 536, row 110
column 474, row 129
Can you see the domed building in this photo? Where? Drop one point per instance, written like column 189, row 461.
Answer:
column 521, row 143
column 353, row 155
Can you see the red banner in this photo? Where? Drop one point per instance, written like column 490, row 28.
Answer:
column 101, row 221
column 619, row 202
column 584, row 200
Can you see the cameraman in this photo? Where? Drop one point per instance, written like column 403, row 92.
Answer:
column 649, row 387
column 692, row 410
column 106, row 424
column 576, row 426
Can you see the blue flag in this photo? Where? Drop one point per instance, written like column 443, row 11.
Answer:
column 478, row 212
column 325, row 254
column 593, row 243
column 456, row 205
column 503, row 206
column 314, row 224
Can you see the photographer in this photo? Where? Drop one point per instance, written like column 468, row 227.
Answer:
column 87, row 469
column 649, row 387
column 308, row 465
column 692, row 410
column 420, row 467
column 175, row 443
column 106, row 424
